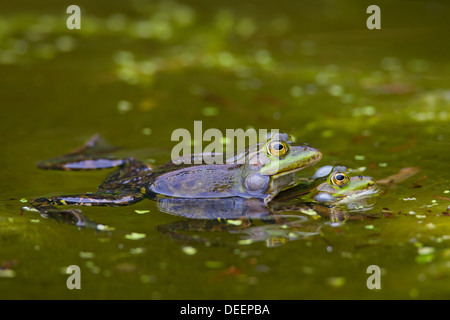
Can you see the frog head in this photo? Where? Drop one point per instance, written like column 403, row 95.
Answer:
column 340, row 187
column 270, row 168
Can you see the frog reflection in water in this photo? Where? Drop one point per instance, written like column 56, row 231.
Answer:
column 260, row 171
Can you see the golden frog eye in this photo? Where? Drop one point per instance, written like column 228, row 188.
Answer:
column 277, row 148
column 340, row 179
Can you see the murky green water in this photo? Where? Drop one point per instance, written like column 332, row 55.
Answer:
column 377, row 100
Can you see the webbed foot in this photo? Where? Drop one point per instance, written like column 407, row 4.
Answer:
column 46, row 206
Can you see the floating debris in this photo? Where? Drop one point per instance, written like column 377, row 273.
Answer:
column 403, row 174
column 103, row 227
column 86, row 255
column 126, row 267
column 245, row 242
column 141, row 211
column 336, row 282
column 430, row 226
column 93, row 268
column 425, row 255
column 364, row 111
column 234, row 222
column 135, row 236
column 442, row 198
column 189, row 250
column 309, row 212
column 7, row 273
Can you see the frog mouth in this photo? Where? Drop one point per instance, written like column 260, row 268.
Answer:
column 307, row 161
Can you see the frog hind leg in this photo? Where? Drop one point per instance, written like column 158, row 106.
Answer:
column 46, row 206
column 90, row 156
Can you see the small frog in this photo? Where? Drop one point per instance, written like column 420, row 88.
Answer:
column 338, row 188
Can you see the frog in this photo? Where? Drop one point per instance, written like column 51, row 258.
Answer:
column 259, row 171
column 334, row 192
column 332, row 186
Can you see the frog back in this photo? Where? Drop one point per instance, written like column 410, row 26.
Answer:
column 202, row 181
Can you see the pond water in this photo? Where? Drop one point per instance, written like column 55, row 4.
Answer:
column 376, row 101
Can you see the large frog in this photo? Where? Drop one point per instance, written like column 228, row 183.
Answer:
column 263, row 171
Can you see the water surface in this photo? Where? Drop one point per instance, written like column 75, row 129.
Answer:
column 376, row 101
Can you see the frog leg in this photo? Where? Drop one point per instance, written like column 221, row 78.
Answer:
column 90, row 199
column 87, row 157
column 46, row 206
column 80, row 163
column 69, row 216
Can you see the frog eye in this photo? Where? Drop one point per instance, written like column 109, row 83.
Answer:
column 277, row 148
column 340, row 179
